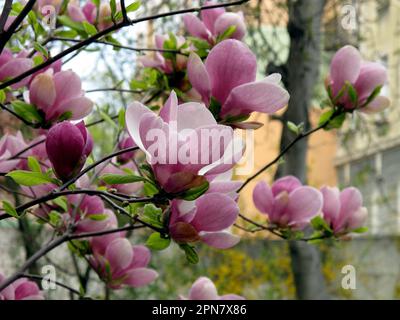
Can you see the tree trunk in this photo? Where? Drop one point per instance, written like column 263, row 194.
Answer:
column 302, row 71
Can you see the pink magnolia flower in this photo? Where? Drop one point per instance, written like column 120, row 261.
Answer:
column 157, row 59
column 90, row 216
column 68, row 146
column 204, row 289
column 21, row 289
column 214, row 22
column 343, row 211
column 287, row 203
column 122, row 264
column 126, row 142
column 87, row 13
column 13, row 65
column 183, row 143
column 59, row 95
column 11, row 145
column 229, row 75
column 205, row 219
column 347, row 66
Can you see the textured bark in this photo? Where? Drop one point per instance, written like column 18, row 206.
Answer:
column 302, row 71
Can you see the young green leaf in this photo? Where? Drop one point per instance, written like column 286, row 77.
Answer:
column 190, row 252
column 28, row 178
column 156, row 242
column 33, row 164
column 39, row 48
column 194, row 193
column 97, row 217
column 26, row 111
column 110, row 178
column 9, row 208
column 89, row 28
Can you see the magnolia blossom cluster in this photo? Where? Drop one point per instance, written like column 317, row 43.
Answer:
column 290, row 205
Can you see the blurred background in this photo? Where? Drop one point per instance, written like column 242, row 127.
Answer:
column 296, row 39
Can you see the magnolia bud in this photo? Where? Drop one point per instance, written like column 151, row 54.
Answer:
column 68, row 146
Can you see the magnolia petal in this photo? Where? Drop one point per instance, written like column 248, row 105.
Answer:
column 119, row 254
column 263, row 198
column 331, row 207
column 261, row 96
column 227, row 20
column 195, row 26
column 203, row 289
column 220, row 240
column 287, row 184
column 379, row 104
column 215, row 212
column 209, row 16
column 198, row 77
column 304, row 204
column 345, row 66
column 140, row 277
column 230, row 64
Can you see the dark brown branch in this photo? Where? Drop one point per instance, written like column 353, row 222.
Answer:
column 5, row 14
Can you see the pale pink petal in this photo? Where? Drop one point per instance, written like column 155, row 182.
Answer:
column 169, row 112
column 141, row 257
column 372, row 75
column 215, row 212
column 357, row 219
column 193, row 115
column 203, row 289
column 261, row 96
column 140, row 277
column 227, row 20
column 209, row 16
column 304, row 204
column 331, row 207
column 119, row 254
column 80, row 107
column 42, row 91
column 287, row 184
column 379, row 104
column 198, row 77
column 230, row 64
column 68, row 85
column 263, row 198
column 220, row 240
column 195, row 26
column 345, row 66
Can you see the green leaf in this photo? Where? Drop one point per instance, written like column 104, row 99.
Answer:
column 293, row 127
column 108, row 119
column 89, row 28
column 65, row 116
column 68, row 22
column 318, row 223
column 332, row 123
column 9, row 208
column 352, row 93
column 360, row 230
column 28, row 178
column 54, row 217
column 121, row 118
column 113, row 7
column 190, row 252
column 97, row 217
column 133, row 6
column 152, row 215
column 37, row 60
column 373, row 95
column 150, row 189
column 61, row 202
column 227, row 33
column 215, row 107
column 2, row 96
column 66, row 33
column 39, row 48
column 26, row 111
column 34, row 165
column 110, row 178
column 156, row 242
column 194, row 193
